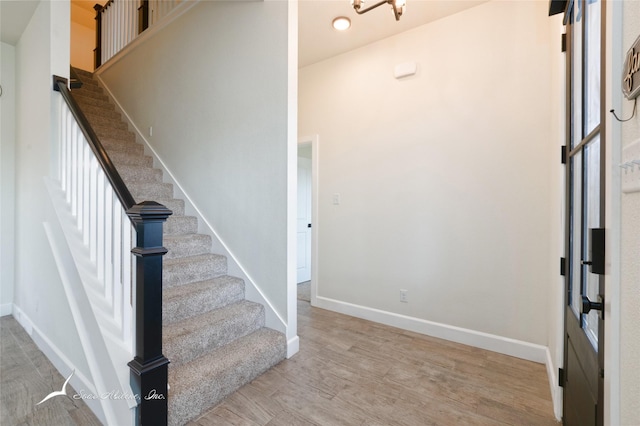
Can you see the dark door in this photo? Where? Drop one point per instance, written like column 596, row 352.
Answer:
column 584, row 338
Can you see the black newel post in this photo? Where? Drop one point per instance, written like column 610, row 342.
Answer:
column 97, row 52
column 149, row 366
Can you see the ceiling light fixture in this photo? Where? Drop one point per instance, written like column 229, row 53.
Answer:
column 341, row 23
column 397, row 5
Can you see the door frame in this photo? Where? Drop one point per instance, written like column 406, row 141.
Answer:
column 313, row 141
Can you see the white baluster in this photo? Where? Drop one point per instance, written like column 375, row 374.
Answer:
column 128, row 278
column 63, row 148
column 93, row 209
column 86, row 199
column 74, row 168
column 101, row 227
column 108, row 242
column 117, row 260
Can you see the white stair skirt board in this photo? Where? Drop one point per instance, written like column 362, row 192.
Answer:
column 490, row 342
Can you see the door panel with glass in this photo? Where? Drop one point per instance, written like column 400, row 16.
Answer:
column 583, row 362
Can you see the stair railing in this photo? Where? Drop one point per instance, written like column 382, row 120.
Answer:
column 119, row 22
column 110, row 221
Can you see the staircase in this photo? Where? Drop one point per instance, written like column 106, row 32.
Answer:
column 215, row 339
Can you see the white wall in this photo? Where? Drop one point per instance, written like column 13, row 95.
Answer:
column 40, row 302
column 630, row 249
column 216, row 95
column 83, row 41
column 448, row 179
column 83, row 37
column 7, row 176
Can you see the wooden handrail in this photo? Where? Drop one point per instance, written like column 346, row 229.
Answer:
column 121, row 190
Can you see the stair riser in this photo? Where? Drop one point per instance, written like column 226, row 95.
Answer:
column 123, row 149
column 176, row 206
column 176, row 225
column 127, row 159
column 194, row 245
column 108, row 132
column 100, row 111
column 201, row 298
column 84, row 98
column 195, row 343
column 150, row 191
column 140, row 174
column 122, row 145
column 183, row 273
column 114, row 123
column 90, row 89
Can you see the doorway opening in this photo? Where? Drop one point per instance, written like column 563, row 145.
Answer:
column 307, row 218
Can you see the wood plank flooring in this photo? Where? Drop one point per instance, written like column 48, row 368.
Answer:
column 355, row 372
column 27, row 376
column 348, row 372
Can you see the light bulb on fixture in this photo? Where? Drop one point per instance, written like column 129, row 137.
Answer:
column 341, row 23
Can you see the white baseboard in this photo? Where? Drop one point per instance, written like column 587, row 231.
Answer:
column 293, row 346
column 79, row 381
column 6, row 309
column 491, row 342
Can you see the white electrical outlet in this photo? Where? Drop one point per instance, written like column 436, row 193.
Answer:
column 404, row 296
column 336, row 199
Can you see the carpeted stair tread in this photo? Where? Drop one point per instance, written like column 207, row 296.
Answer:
column 176, row 225
column 149, row 191
column 206, row 381
column 196, row 298
column 121, row 134
column 193, row 337
column 139, row 174
column 90, row 98
column 88, row 87
column 108, row 111
column 183, row 245
column 121, row 158
column 183, row 270
column 106, row 121
column 125, row 147
column 175, row 205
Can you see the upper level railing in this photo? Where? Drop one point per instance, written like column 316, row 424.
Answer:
column 110, row 222
column 119, row 22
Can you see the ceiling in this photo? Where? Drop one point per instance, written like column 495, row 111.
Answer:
column 317, row 40
column 14, row 17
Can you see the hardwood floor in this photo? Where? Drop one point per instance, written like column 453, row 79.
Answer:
column 26, row 377
column 355, row 372
column 348, row 372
